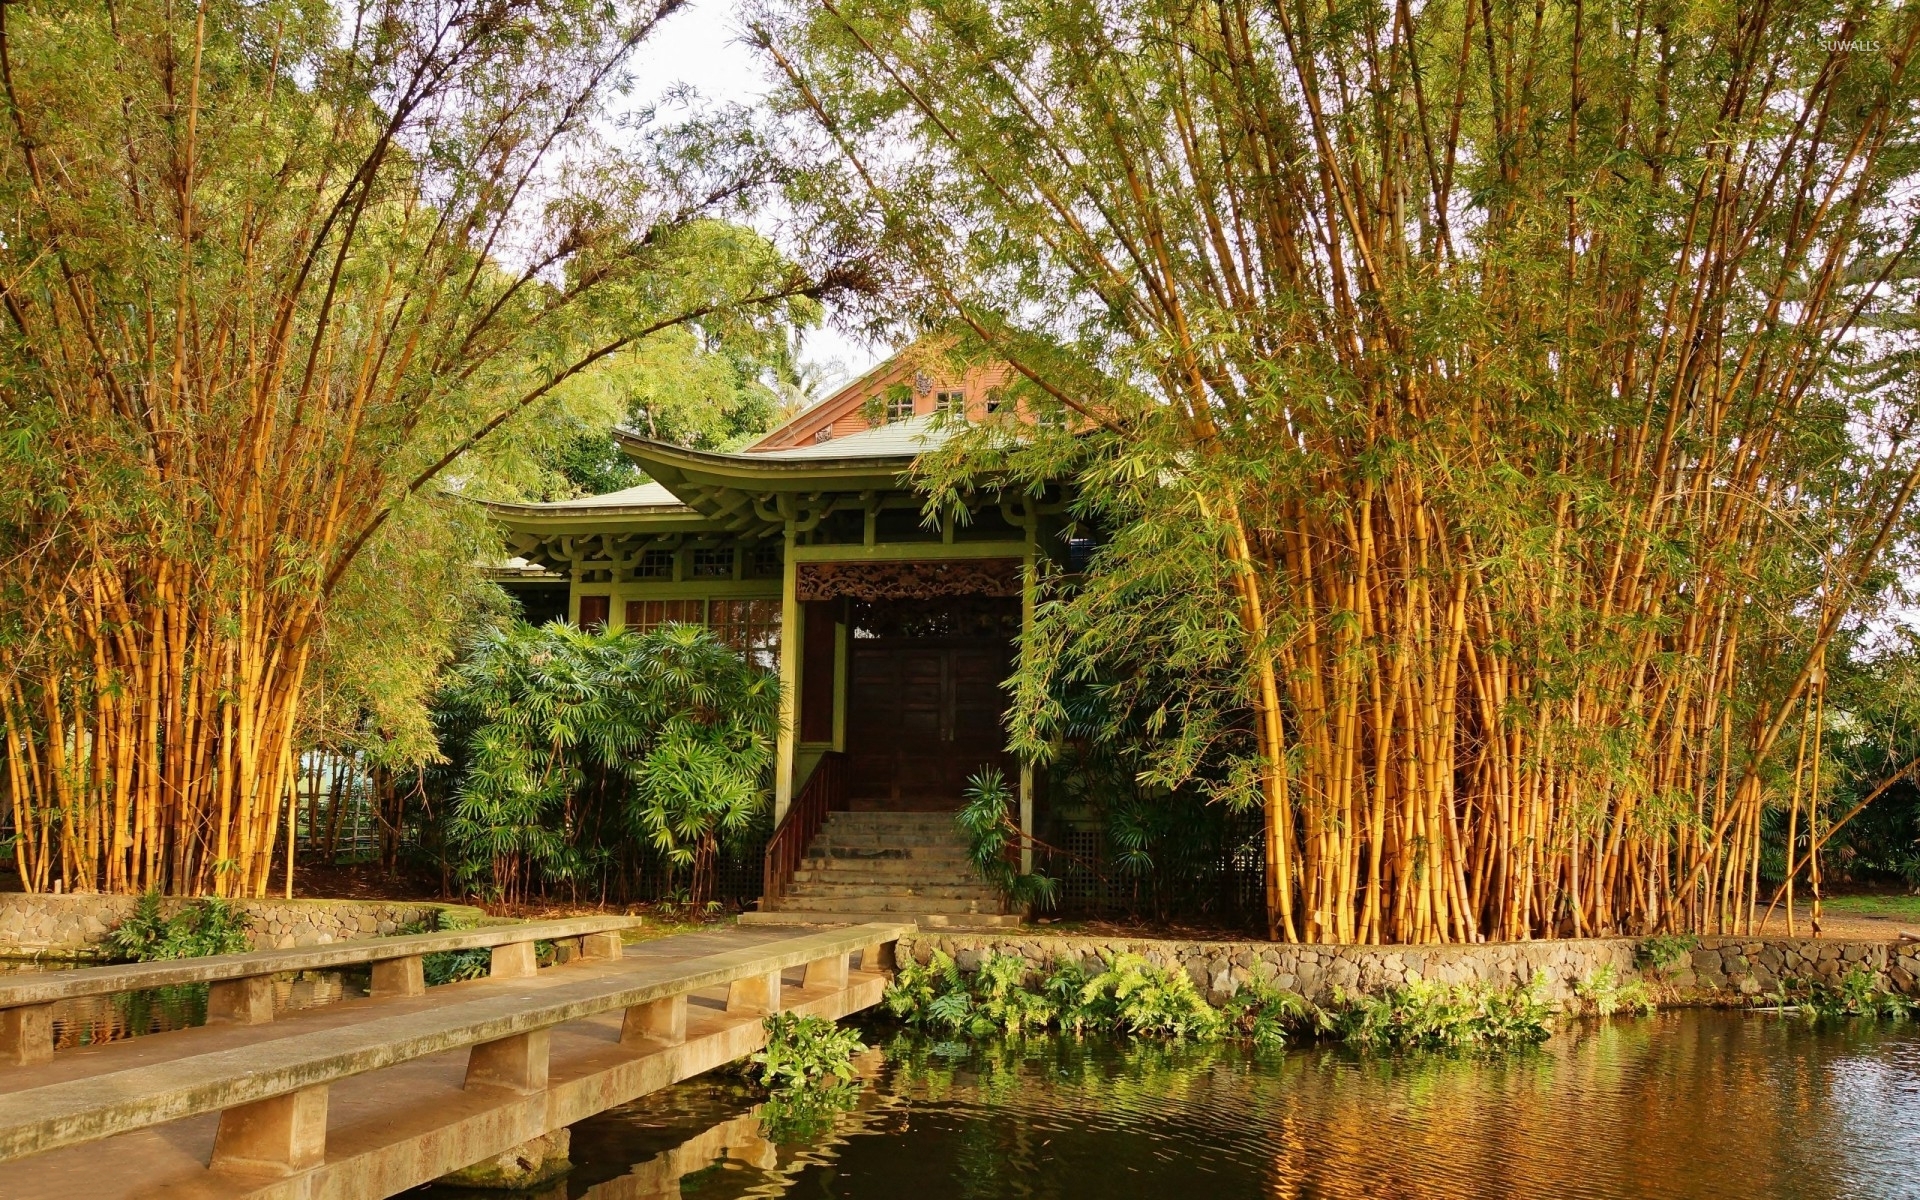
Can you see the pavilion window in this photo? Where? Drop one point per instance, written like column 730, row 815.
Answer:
column 954, row 402
column 752, row 627
column 654, row 564
column 594, row 611
column 643, row 615
column 899, row 405
column 763, row 562
column 713, row 564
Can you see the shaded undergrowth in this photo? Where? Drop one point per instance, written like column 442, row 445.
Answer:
column 1132, row 997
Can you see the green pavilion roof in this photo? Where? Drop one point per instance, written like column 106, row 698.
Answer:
column 749, row 493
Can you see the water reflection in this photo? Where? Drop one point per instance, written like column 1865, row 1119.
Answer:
column 1681, row 1105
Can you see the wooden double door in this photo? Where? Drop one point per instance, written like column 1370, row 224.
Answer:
column 922, row 715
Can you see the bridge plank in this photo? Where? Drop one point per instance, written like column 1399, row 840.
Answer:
column 289, row 1056
column 47, row 986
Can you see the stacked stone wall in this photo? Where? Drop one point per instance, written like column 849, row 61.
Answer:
column 76, row 925
column 1716, row 970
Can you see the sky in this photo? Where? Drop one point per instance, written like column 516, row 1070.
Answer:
column 700, row 47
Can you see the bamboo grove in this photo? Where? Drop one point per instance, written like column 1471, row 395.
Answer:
column 1497, row 413
column 269, row 271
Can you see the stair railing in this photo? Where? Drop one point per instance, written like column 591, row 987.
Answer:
column 825, row 791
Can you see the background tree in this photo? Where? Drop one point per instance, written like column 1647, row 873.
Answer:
column 1515, row 398
column 269, row 271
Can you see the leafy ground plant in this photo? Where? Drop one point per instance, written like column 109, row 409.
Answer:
column 1432, row 1016
column 1606, row 994
column 1262, row 1013
column 938, row 996
column 1134, row 997
column 1666, row 951
column 449, row 966
column 1129, row 996
column 807, row 1070
column 1858, row 995
column 991, row 838
column 805, row 1052
column 209, row 926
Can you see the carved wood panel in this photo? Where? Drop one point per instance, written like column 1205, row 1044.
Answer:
column 908, row 580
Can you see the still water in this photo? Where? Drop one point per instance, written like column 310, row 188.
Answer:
column 1687, row 1104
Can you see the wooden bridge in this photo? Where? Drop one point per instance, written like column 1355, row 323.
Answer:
column 370, row 1097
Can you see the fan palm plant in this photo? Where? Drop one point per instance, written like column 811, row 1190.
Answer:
column 574, row 739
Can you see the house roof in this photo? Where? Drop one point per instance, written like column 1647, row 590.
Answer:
column 647, row 497
column 899, row 439
column 824, row 458
column 745, row 493
column 848, row 396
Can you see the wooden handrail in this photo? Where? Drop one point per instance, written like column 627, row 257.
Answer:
column 825, row 792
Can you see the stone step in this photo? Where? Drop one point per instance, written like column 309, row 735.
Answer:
column 931, row 829
column 923, row 920
column 886, row 904
column 938, row 860
column 891, row 841
column 881, row 872
column 941, row 890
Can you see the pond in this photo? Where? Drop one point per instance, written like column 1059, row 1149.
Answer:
column 1683, row 1104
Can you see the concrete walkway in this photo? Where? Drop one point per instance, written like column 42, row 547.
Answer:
column 523, row 1057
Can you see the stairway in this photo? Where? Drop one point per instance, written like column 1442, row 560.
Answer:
column 888, row 866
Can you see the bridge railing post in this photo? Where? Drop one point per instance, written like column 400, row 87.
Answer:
column 400, row 977
column 878, row 957
column 518, row 1063
column 515, row 960
column 26, row 1035
column 663, row 1021
column 827, row 972
column 601, row 945
column 246, row 1001
column 282, row 1135
column 755, row 993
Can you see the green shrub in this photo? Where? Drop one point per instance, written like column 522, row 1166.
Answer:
column 1136, row 998
column 1424, row 1015
column 1606, row 994
column 804, row 1053
column 992, row 1000
column 449, row 966
column 1263, row 1013
column 568, row 745
column 209, row 926
column 991, row 836
column 1665, row 951
column 807, row 1070
column 1857, row 995
column 1130, row 996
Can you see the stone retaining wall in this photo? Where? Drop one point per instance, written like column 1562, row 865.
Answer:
column 1718, row 970
column 75, row 925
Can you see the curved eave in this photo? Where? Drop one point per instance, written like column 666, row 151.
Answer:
column 611, row 518
column 680, row 468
